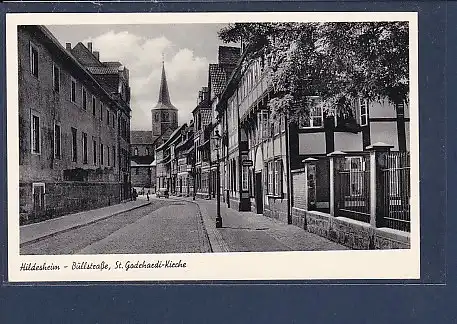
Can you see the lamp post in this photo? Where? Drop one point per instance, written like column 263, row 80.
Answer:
column 194, row 176
column 216, row 139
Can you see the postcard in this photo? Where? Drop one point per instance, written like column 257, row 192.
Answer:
column 212, row 146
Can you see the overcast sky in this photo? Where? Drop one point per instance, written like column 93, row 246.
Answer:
column 188, row 50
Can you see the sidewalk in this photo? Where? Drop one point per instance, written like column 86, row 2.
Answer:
column 251, row 232
column 36, row 231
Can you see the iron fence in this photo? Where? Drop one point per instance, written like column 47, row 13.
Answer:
column 395, row 190
column 352, row 187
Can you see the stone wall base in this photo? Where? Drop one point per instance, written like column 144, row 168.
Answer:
column 348, row 232
column 276, row 208
column 62, row 198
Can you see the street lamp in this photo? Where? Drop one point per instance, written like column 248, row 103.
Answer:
column 217, row 139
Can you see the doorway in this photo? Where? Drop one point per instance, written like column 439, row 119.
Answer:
column 258, row 193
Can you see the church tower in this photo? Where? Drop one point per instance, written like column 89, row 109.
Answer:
column 164, row 114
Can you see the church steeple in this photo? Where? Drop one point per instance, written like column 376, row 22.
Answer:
column 164, row 114
column 164, row 101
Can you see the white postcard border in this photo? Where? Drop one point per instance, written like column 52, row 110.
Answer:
column 377, row 264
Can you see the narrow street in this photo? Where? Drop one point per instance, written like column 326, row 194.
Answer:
column 161, row 227
column 179, row 225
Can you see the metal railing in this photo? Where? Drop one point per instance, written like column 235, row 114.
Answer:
column 395, row 190
column 352, row 187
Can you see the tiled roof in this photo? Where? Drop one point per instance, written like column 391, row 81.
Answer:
column 206, row 116
column 217, row 78
column 141, row 137
column 229, row 55
column 141, row 159
column 103, row 69
column 117, row 64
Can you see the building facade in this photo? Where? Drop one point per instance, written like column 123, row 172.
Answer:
column 202, row 118
column 142, row 158
column 168, row 155
column 265, row 156
column 73, row 130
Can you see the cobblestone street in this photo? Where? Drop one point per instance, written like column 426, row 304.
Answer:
column 172, row 225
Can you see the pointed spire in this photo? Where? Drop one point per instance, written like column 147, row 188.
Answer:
column 164, row 101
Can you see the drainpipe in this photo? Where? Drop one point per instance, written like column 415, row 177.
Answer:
column 289, row 183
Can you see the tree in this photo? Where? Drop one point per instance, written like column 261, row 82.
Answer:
column 338, row 62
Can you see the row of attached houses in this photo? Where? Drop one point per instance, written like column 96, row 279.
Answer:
column 331, row 173
column 74, row 127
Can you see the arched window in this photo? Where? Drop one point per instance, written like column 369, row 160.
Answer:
column 156, row 116
column 165, row 116
column 147, row 150
column 135, row 151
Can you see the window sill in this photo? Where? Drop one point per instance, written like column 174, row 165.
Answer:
column 275, row 196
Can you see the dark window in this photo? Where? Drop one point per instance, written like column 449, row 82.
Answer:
column 56, row 78
column 136, row 171
column 34, row 60
column 108, row 156
column 101, row 111
column 93, row 105
column 36, row 134
column 101, row 154
column 114, row 156
column 114, row 119
column 156, row 116
column 73, row 90
column 94, row 143
column 107, row 116
column 84, row 148
column 84, row 99
column 57, row 147
column 74, row 148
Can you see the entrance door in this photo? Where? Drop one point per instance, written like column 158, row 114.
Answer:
column 38, row 198
column 259, row 193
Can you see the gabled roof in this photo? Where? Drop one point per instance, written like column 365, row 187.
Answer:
column 206, row 116
column 103, row 69
column 217, row 78
column 69, row 57
column 228, row 55
column 141, row 159
column 141, row 137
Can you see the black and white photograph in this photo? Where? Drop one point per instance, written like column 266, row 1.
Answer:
column 212, row 146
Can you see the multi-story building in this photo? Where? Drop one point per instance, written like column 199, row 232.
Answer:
column 114, row 77
column 218, row 76
column 142, row 165
column 167, row 161
column 202, row 118
column 184, row 161
column 73, row 128
column 263, row 153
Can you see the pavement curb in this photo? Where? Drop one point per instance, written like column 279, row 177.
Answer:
column 25, row 243
column 216, row 242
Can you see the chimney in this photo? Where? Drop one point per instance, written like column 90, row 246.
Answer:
column 96, row 54
column 89, row 46
column 68, row 46
column 205, row 94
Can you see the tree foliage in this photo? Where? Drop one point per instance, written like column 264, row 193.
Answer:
column 338, row 62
